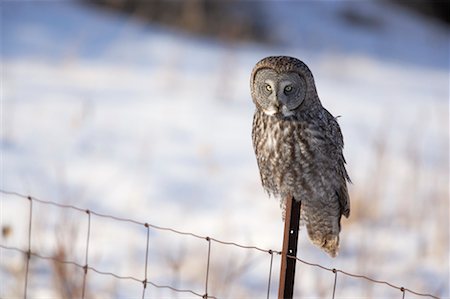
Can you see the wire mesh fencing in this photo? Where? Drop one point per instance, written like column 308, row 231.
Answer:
column 143, row 278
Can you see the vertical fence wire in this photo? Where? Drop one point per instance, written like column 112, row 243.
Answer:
column 270, row 273
column 207, row 267
column 27, row 266
column 146, row 260
column 86, row 254
column 28, row 253
column 334, row 285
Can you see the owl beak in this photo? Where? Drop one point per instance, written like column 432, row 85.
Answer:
column 281, row 108
column 275, row 102
column 276, row 105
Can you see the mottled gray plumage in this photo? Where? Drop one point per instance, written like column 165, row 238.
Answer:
column 298, row 146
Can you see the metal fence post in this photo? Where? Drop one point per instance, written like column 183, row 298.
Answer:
column 291, row 226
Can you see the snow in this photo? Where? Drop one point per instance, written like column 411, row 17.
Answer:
column 124, row 118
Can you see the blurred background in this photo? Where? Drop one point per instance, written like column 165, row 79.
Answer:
column 142, row 109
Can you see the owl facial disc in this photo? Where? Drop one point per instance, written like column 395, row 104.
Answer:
column 278, row 93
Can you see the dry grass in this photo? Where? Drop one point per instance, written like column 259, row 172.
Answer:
column 406, row 190
column 420, row 205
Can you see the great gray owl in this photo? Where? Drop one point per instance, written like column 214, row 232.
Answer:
column 298, row 146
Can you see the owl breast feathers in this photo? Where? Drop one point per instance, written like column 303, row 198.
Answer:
column 298, row 146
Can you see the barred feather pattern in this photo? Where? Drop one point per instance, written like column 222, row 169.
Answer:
column 301, row 156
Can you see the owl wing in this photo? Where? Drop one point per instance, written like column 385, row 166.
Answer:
column 256, row 139
column 337, row 143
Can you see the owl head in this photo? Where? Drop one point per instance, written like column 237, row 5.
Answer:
column 281, row 85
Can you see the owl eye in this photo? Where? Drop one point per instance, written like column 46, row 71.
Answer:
column 268, row 87
column 287, row 89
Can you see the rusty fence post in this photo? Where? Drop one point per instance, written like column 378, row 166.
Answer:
column 291, row 226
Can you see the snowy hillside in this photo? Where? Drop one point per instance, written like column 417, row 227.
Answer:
column 108, row 113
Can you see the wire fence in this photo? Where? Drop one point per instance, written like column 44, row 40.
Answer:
column 144, row 278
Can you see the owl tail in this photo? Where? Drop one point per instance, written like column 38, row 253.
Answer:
column 324, row 233
column 331, row 245
column 328, row 242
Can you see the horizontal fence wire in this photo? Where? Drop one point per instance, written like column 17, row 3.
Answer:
column 145, row 282
column 99, row 271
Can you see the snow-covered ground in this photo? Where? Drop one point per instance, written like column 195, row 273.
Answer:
column 107, row 113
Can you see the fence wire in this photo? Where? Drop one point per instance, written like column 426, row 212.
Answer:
column 145, row 282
